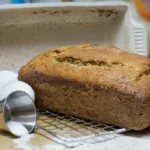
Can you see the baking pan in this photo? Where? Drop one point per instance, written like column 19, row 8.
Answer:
column 26, row 30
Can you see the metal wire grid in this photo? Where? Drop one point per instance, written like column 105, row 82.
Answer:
column 70, row 129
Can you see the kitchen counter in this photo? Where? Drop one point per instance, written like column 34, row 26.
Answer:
column 40, row 140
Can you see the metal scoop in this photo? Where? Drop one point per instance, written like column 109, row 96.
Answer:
column 19, row 114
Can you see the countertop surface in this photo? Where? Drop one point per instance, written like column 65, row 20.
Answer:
column 39, row 140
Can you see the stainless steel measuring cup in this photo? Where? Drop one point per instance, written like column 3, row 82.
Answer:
column 18, row 114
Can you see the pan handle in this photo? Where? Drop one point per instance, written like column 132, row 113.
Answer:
column 139, row 38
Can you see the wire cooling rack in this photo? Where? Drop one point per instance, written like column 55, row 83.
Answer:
column 71, row 131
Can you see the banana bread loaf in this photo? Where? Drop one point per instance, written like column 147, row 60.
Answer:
column 98, row 83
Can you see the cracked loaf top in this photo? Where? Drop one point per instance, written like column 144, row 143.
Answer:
column 93, row 67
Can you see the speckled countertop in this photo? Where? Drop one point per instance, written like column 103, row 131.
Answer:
column 42, row 141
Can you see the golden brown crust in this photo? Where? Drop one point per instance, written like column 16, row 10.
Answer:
column 98, row 68
column 106, row 66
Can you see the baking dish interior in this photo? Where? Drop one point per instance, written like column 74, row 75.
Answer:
column 26, row 32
